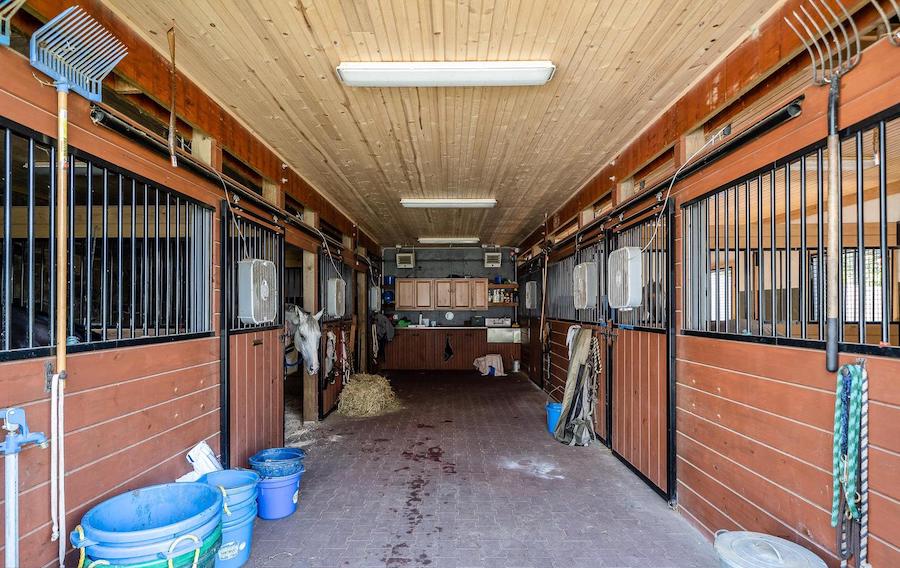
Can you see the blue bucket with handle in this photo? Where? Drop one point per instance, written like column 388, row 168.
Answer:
column 237, row 538
column 152, row 523
column 278, row 496
column 238, row 486
column 554, row 410
column 277, row 462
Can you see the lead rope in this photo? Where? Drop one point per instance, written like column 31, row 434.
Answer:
column 849, row 507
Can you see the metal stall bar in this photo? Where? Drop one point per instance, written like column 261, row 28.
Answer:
column 886, row 261
column 746, row 264
column 131, row 291
column 773, row 250
column 820, row 256
column 88, row 249
column 120, row 317
column 804, row 301
column 760, row 311
column 30, row 334
column 789, row 313
column 860, row 240
column 7, row 240
column 156, row 271
column 104, row 262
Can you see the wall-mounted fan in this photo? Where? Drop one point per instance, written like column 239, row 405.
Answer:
column 625, row 278
column 257, row 291
column 336, row 297
column 586, row 282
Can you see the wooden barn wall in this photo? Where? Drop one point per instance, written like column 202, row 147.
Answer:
column 754, row 421
column 131, row 413
column 555, row 385
column 256, row 388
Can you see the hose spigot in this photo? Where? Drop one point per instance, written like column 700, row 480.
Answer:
column 17, row 433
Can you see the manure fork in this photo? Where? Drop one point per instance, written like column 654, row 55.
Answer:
column 817, row 34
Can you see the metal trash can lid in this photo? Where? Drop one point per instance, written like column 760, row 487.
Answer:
column 745, row 549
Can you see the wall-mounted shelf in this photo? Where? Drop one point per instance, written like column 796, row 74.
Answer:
column 503, row 305
column 510, row 286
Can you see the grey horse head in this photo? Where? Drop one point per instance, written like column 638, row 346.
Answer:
column 306, row 333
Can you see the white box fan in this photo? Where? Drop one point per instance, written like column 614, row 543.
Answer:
column 531, row 295
column 406, row 260
column 586, row 282
column 336, row 297
column 257, row 282
column 625, row 281
column 493, row 259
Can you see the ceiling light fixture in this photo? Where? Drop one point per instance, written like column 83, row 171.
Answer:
column 449, row 240
column 415, row 203
column 445, row 73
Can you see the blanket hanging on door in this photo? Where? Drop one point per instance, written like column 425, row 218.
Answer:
column 576, row 423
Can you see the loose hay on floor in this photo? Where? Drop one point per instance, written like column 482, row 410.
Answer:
column 367, row 395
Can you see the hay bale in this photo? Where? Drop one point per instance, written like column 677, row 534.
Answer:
column 367, row 395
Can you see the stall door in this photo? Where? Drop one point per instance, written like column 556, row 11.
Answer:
column 641, row 395
column 252, row 354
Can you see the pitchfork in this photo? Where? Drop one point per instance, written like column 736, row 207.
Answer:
column 828, row 66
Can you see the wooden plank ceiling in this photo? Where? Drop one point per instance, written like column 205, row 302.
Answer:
column 620, row 63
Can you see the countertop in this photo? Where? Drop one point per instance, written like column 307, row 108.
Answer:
column 437, row 327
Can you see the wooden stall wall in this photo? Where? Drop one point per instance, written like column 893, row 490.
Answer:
column 754, row 443
column 639, row 398
column 755, row 421
column 256, row 386
column 131, row 414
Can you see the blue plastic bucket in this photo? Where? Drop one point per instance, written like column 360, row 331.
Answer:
column 237, row 539
column 278, row 462
column 151, row 523
column 237, row 485
column 278, row 496
column 206, row 558
column 554, row 409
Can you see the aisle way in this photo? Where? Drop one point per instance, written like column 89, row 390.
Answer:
column 466, row 475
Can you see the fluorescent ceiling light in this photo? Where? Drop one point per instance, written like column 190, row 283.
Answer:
column 449, row 203
column 449, row 240
column 445, row 73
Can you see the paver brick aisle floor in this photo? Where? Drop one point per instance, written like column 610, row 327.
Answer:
column 467, row 476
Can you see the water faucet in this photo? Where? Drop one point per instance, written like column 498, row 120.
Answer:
column 17, row 433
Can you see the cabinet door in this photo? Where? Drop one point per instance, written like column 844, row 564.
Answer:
column 462, row 294
column 405, row 294
column 443, row 293
column 424, row 290
column 417, row 351
column 480, row 294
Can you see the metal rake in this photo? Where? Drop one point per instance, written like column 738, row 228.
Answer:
column 7, row 9
column 818, row 35
column 77, row 52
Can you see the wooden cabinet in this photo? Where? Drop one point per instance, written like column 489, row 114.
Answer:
column 405, row 294
column 419, row 294
column 480, row 294
column 424, row 294
column 414, row 294
column 462, row 294
column 443, row 293
column 410, row 349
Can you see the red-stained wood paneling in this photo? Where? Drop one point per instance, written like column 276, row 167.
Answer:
column 256, row 389
column 754, row 443
column 639, row 402
column 131, row 414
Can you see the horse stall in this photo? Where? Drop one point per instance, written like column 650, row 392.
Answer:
column 450, row 284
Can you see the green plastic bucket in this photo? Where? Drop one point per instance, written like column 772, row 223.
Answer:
column 206, row 559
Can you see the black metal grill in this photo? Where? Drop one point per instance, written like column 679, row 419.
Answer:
column 652, row 237
column 139, row 254
column 327, row 272
column 246, row 239
column 754, row 250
